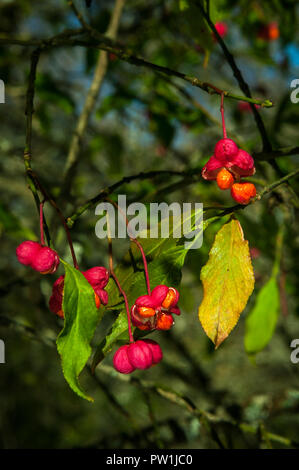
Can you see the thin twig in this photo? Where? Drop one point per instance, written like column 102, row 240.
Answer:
column 134, row 240
column 282, row 152
column 115, row 278
column 277, row 183
column 93, row 92
column 50, row 199
column 78, row 15
column 104, row 193
column 166, row 393
column 222, row 116
column 33, row 181
column 29, row 110
column 207, row 418
column 107, row 45
column 239, row 77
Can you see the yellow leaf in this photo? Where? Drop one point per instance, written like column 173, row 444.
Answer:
column 228, row 281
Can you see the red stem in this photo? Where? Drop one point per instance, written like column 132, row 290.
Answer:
column 222, row 116
column 41, row 223
column 60, row 214
column 144, row 264
column 113, row 275
column 134, row 240
column 131, row 338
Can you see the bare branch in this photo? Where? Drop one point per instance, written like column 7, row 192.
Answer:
column 126, row 179
column 93, row 92
column 239, row 77
column 105, row 44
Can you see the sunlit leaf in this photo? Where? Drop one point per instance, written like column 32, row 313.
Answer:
column 228, row 282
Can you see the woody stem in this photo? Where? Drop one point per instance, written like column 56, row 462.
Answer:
column 222, row 116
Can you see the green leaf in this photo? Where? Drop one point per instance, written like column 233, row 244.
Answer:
column 81, row 319
column 261, row 322
column 165, row 257
column 228, row 282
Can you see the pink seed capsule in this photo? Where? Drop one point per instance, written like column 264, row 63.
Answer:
column 140, row 355
column 221, row 28
column 121, row 361
column 27, row 251
column 242, row 164
column 46, row 261
column 225, row 150
column 156, row 350
column 97, row 276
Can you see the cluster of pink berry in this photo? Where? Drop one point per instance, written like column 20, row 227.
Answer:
column 41, row 258
column 139, row 355
column 154, row 312
column 149, row 312
column 46, row 261
column 230, row 164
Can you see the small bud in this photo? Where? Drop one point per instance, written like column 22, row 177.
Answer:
column 225, row 179
column 243, row 192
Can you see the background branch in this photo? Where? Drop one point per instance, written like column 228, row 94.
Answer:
column 239, row 77
column 123, row 54
column 93, row 92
